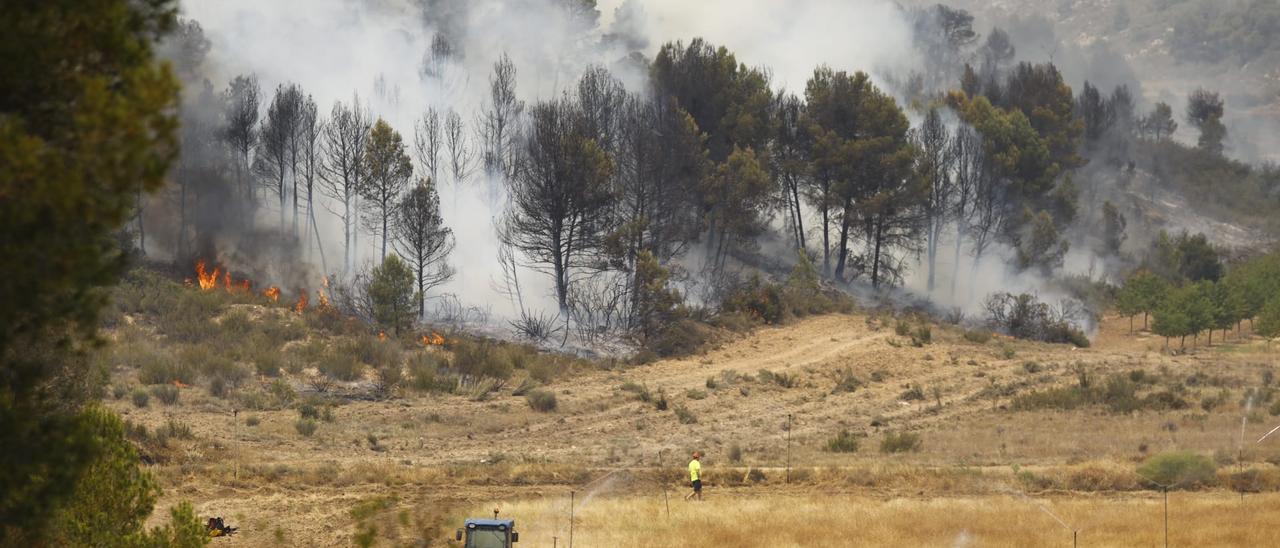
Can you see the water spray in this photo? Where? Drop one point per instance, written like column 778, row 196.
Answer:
column 1075, row 533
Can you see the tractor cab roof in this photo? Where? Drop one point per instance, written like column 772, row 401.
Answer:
column 507, row 524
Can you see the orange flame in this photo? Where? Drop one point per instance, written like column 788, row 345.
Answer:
column 302, row 301
column 382, row 335
column 272, row 293
column 244, row 285
column 207, row 280
column 435, row 339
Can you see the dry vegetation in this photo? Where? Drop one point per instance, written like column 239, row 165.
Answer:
column 304, row 430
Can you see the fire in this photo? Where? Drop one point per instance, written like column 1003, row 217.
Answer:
column 272, row 293
column 207, row 280
column 302, row 301
column 435, row 339
column 382, row 335
column 320, row 293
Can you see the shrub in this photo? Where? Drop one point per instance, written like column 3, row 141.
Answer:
column 159, row 368
column 341, row 367
column 140, row 398
column 119, row 392
column 847, row 382
column 267, row 363
column 735, row 453
column 660, row 402
column 758, row 299
column 922, row 336
column 844, row 442
column 684, row 415
column 388, row 377
column 781, row 379
column 252, row 420
column 479, row 360
column 173, row 428
column 306, row 427
column 912, row 393
column 901, row 442
column 695, row 394
column 977, row 336
column 526, row 385
column 679, row 338
column 218, row 388
column 1180, row 469
column 1031, row 367
column 1275, row 408
column 542, row 401
column 422, row 373
column 166, row 393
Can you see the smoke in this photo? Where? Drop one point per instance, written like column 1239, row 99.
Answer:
column 401, row 57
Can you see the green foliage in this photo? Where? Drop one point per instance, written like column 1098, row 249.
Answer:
column 542, row 401
column 1179, row 470
column 1119, row 394
column 1225, row 32
column 1042, row 248
column 658, row 306
column 341, row 367
column 844, row 442
column 1113, row 225
column 684, row 415
column 166, row 393
column 1142, row 293
column 391, row 295
column 1024, row 316
column 140, row 398
column 88, row 124
column 306, row 427
column 901, row 442
column 480, row 359
column 1269, row 319
column 977, row 336
column 114, row 497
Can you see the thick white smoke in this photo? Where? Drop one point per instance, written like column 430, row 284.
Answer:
column 337, row 49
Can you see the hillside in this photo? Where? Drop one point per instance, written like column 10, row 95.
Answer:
column 433, row 454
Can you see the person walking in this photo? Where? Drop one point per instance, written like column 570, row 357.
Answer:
column 695, row 476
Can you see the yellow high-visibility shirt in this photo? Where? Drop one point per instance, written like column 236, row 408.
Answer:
column 695, row 470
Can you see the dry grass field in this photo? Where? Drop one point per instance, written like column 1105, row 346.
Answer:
column 994, row 454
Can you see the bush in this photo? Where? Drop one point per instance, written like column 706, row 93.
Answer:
column 166, row 393
column 695, row 394
column 306, row 427
column 1024, row 316
column 901, row 442
column 478, row 359
column 977, row 336
column 542, row 401
column 847, row 382
column 844, row 442
column 341, row 367
column 119, row 392
column 140, row 398
column 422, row 373
column 902, row 328
column 218, row 388
column 684, row 415
column 252, row 420
column 1179, row 470
column 735, row 453
column 912, row 393
column 159, row 368
column 757, row 298
column 267, row 363
column 781, row 379
column 922, row 336
column 679, row 338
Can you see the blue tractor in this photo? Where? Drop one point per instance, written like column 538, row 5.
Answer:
column 488, row 533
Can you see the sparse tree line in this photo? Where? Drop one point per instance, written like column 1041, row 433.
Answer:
column 689, row 174
column 1184, row 290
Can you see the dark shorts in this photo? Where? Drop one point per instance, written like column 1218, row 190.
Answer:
column 697, row 486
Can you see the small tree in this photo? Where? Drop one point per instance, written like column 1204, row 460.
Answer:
column 390, row 294
column 1113, row 228
column 1269, row 319
column 389, row 170
column 423, row 239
